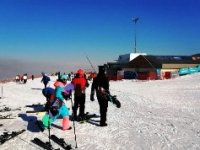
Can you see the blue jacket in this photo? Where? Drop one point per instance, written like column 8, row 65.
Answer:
column 45, row 79
column 63, row 110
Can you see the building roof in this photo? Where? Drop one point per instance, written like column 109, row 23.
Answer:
column 196, row 55
column 161, row 61
column 128, row 57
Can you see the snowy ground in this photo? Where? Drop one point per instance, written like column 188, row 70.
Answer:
column 162, row 114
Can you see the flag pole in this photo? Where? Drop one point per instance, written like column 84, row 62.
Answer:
column 135, row 21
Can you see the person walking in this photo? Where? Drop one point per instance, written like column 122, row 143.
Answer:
column 80, row 83
column 100, row 85
column 45, row 80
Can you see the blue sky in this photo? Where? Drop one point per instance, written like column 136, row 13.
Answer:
column 60, row 33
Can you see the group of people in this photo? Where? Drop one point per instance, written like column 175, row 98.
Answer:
column 21, row 79
column 56, row 105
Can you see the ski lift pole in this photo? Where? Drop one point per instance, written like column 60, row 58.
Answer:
column 90, row 63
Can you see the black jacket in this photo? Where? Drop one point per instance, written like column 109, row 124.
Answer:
column 101, row 81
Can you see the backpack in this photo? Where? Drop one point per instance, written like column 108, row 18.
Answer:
column 78, row 90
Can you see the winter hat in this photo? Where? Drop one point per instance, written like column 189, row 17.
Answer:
column 101, row 69
column 64, row 77
column 47, row 91
column 80, row 71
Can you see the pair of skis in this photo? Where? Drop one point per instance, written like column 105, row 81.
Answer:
column 5, row 109
column 9, row 116
column 35, row 111
column 87, row 117
column 35, row 105
column 57, row 140
column 7, row 136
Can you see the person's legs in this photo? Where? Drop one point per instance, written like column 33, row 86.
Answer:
column 75, row 107
column 103, row 103
column 65, row 115
column 65, row 123
column 82, row 106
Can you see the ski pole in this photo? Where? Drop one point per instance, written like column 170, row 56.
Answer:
column 48, row 100
column 74, row 122
column 49, row 129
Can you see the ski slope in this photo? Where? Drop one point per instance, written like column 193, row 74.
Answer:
column 161, row 114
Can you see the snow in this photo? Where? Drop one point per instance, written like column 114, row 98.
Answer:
column 161, row 114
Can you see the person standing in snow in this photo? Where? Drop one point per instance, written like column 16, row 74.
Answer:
column 32, row 77
column 100, row 85
column 80, row 83
column 17, row 79
column 45, row 80
column 24, row 77
column 59, row 108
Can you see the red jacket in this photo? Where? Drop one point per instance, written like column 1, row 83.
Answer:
column 81, row 81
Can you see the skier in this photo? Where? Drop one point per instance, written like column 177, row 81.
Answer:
column 24, row 77
column 45, row 80
column 80, row 83
column 17, row 78
column 101, row 86
column 59, row 108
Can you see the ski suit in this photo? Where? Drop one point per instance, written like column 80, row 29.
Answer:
column 101, row 86
column 45, row 80
column 80, row 84
column 62, row 110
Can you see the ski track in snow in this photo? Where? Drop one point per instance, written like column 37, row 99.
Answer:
column 161, row 114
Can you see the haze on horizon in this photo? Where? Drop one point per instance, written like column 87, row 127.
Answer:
column 51, row 35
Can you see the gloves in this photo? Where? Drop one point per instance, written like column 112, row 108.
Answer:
column 92, row 97
column 66, row 95
column 108, row 92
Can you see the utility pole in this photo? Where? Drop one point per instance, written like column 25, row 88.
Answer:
column 135, row 21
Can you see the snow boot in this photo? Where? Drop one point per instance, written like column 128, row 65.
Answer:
column 65, row 123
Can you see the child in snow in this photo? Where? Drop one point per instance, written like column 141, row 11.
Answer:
column 59, row 108
column 55, row 102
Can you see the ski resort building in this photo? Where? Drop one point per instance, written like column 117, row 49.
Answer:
column 151, row 67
